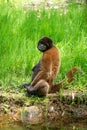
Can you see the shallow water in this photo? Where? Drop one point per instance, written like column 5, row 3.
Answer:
column 47, row 126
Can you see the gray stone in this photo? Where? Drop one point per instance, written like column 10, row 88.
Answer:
column 31, row 114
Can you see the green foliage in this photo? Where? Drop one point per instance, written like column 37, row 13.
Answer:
column 21, row 29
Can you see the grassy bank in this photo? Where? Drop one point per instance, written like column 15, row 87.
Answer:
column 20, row 29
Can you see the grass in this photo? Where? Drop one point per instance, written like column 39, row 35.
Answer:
column 20, row 31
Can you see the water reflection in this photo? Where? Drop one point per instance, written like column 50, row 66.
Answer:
column 47, row 126
column 15, row 127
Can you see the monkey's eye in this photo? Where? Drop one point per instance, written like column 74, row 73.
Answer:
column 41, row 47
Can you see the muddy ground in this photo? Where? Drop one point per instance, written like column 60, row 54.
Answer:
column 65, row 107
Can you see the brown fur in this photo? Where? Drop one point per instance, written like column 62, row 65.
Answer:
column 49, row 65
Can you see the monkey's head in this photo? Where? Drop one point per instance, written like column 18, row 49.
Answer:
column 44, row 44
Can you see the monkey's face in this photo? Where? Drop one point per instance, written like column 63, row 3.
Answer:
column 42, row 47
column 44, row 44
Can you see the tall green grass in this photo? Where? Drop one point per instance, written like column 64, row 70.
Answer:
column 20, row 30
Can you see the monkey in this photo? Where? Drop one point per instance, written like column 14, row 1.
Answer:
column 46, row 70
column 49, row 66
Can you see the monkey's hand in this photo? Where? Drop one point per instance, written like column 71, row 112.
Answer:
column 31, row 91
column 25, row 85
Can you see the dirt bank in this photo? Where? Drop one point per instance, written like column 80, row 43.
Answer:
column 64, row 107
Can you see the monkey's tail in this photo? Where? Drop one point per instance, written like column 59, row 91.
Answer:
column 69, row 77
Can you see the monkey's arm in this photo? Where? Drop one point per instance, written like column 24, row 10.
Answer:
column 35, row 70
column 45, row 70
column 36, row 67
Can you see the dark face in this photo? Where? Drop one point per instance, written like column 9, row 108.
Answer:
column 44, row 44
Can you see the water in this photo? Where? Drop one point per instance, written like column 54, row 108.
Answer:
column 47, row 126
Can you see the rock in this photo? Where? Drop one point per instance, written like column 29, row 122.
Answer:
column 81, row 113
column 32, row 115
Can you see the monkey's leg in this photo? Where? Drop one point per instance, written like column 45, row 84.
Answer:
column 42, row 88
